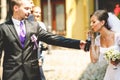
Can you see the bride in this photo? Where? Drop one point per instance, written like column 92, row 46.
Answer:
column 107, row 24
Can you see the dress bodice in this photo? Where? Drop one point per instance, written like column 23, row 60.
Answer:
column 103, row 50
column 116, row 46
column 111, row 72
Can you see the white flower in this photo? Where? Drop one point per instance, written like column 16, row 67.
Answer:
column 112, row 55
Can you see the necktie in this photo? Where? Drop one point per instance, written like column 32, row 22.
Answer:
column 22, row 34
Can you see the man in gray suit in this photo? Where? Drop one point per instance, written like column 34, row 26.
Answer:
column 19, row 38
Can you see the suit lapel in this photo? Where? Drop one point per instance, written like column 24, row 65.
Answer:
column 13, row 30
column 30, row 30
column 27, row 26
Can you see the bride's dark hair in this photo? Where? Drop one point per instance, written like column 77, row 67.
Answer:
column 102, row 15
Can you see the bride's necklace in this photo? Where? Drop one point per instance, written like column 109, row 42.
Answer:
column 108, row 40
column 110, row 37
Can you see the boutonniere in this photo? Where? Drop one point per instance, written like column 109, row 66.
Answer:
column 34, row 39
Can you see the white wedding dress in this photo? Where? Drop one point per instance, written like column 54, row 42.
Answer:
column 111, row 72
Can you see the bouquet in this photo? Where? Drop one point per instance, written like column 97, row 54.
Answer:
column 112, row 55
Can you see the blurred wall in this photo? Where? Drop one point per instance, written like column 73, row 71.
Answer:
column 36, row 2
column 3, row 10
column 77, row 17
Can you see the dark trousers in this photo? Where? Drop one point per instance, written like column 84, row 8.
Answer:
column 42, row 76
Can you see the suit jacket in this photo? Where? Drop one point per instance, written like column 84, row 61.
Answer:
column 20, row 62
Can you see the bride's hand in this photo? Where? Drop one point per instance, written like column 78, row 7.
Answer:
column 115, row 62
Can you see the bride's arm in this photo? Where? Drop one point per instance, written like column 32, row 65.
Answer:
column 94, row 51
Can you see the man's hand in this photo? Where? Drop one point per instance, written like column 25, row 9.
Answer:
column 40, row 62
column 82, row 44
